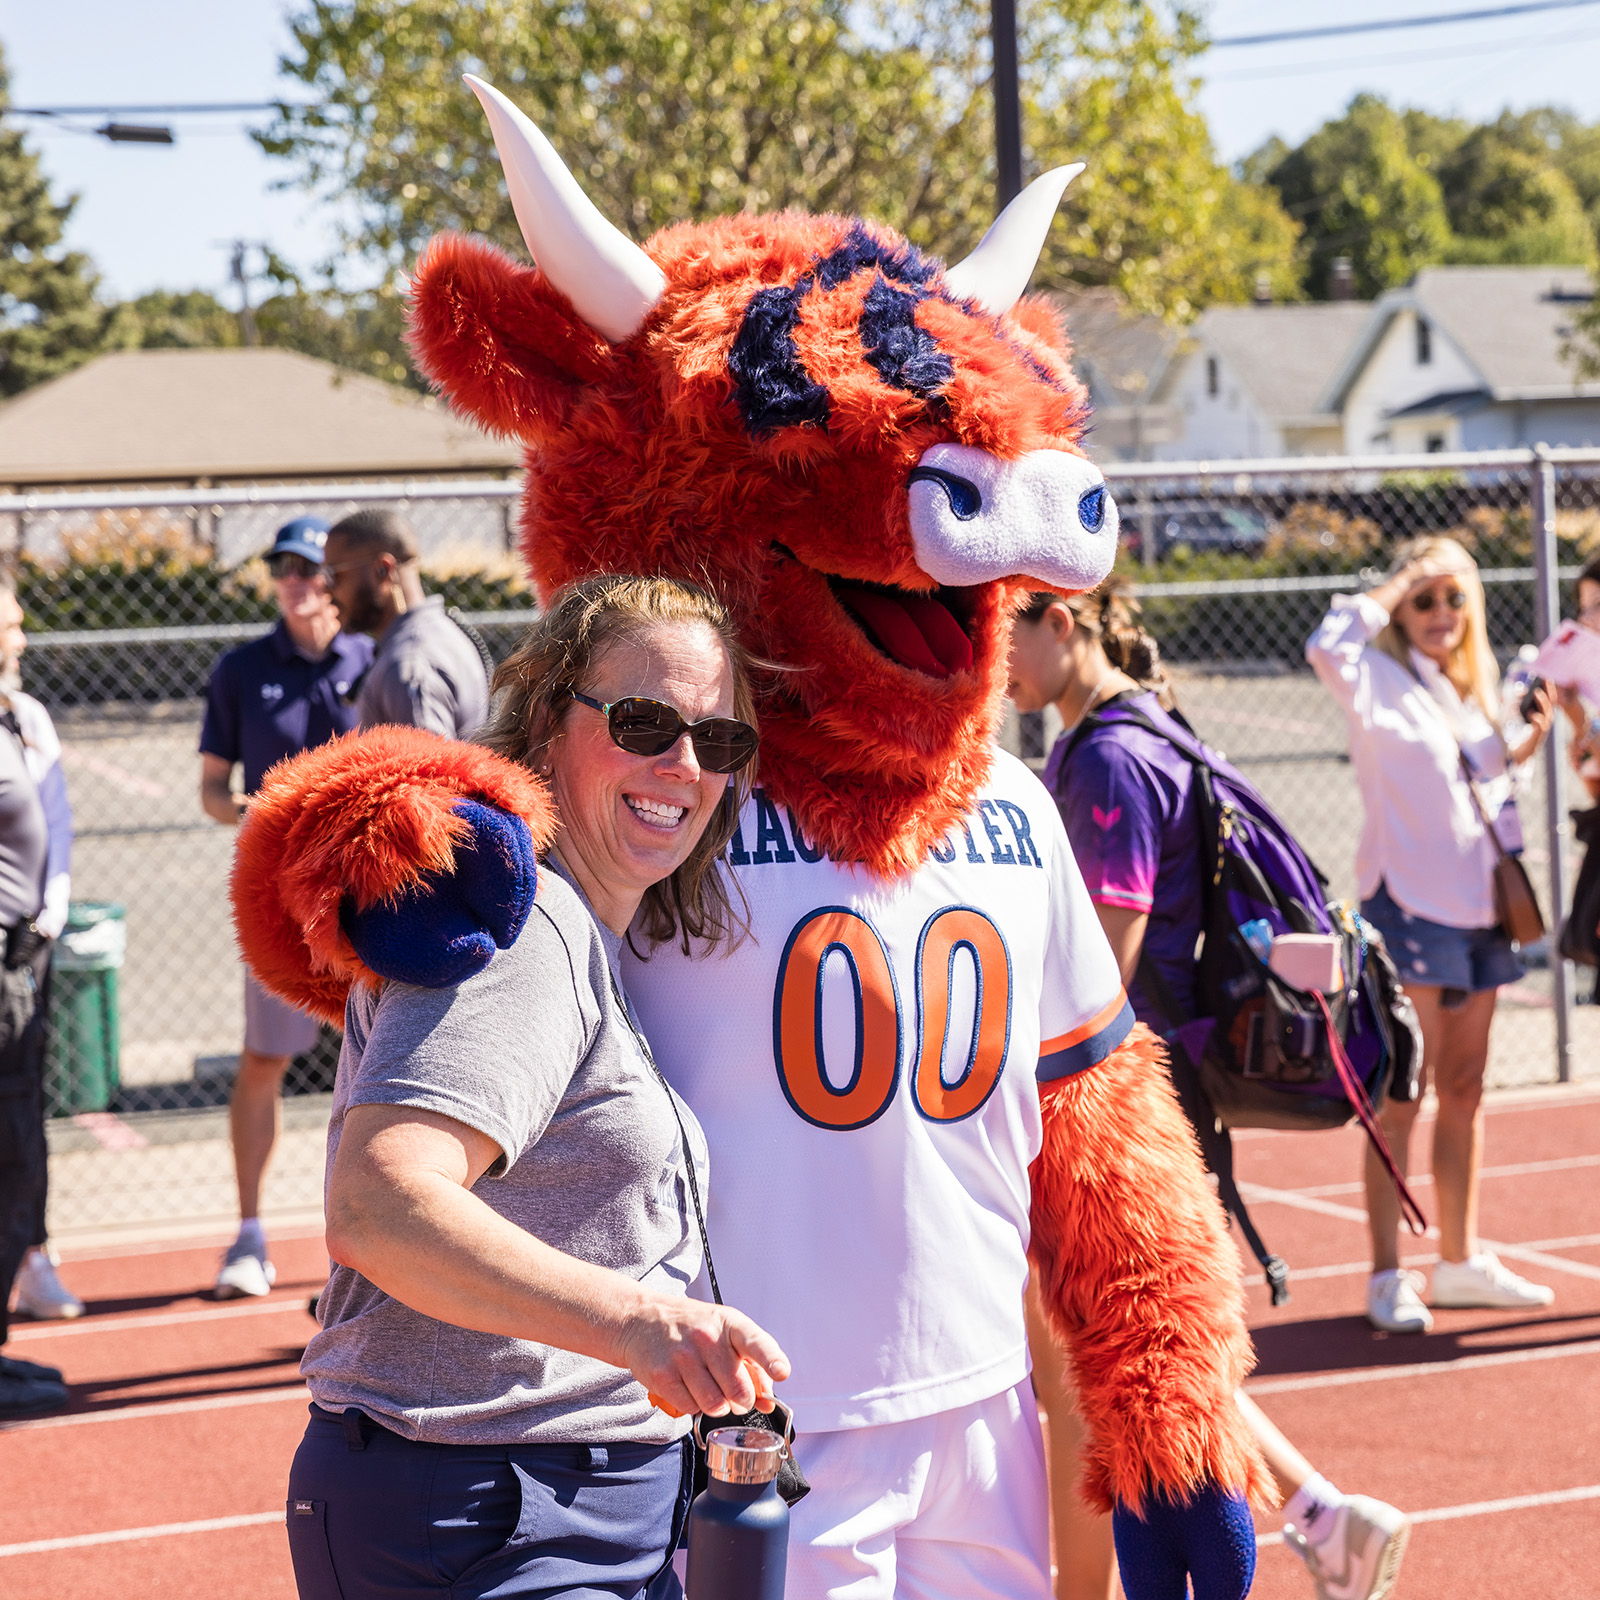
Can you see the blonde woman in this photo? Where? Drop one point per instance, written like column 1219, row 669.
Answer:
column 1410, row 665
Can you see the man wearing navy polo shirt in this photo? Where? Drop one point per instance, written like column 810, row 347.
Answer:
column 270, row 699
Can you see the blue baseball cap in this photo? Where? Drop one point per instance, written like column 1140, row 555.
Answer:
column 305, row 536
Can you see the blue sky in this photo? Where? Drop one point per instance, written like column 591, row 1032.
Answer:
column 158, row 217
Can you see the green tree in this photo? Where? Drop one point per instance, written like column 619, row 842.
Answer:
column 1155, row 215
column 184, row 319
column 672, row 110
column 1509, row 203
column 1362, row 193
column 1568, row 142
column 363, row 332
column 360, row 332
column 50, row 318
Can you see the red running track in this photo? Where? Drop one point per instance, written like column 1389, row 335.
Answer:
column 167, row 1475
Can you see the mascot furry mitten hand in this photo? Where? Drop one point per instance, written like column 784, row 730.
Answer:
column 386, row 854
column 439, row 933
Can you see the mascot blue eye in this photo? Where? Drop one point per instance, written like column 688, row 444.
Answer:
column 1092, row 509
column 965, row 500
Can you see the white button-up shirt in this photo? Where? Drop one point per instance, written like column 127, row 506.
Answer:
column 1422, row 834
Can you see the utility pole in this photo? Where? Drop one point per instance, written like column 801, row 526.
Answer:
column 1003, row 77
column 247, row 317
column 1007, row 102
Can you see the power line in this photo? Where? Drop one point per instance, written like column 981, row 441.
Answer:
column 145, row 111
column 1388, row 23
column 1372, row 63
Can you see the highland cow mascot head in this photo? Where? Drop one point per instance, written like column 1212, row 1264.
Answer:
column 919, row 1070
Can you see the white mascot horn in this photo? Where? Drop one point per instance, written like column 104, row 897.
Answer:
column 612, row 284
column 997, row 272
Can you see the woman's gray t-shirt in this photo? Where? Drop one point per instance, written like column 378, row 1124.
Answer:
column 535, row 1052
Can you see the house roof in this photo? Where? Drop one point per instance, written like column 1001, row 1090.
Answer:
column 1284, row 355
column 1510, row 324
column 161, row 416
column 1119, row 353
column 1451, row 403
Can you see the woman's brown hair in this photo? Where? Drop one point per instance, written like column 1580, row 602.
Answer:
column 533, row 690
column 1110, row 613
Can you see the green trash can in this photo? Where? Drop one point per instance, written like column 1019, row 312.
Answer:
column 81, row 1058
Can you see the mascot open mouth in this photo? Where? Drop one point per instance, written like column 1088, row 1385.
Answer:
column 924, row 632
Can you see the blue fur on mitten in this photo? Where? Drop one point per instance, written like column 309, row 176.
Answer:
column 1210, row 1538
column 447, row 929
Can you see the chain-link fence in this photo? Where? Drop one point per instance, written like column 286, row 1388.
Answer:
column 130, row 598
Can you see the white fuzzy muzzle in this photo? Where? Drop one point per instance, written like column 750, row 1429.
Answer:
column 1047, row 515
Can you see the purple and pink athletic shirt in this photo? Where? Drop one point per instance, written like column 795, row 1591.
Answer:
column 1126, row 797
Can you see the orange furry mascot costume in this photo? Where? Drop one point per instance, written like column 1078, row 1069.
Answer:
column 870, row 458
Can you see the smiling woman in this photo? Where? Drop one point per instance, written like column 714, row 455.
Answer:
column 487, row 1340
column 647, row 826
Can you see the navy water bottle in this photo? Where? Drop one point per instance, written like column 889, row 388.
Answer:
column 739, row 1528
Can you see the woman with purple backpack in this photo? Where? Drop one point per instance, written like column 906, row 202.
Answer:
column 1126, row 796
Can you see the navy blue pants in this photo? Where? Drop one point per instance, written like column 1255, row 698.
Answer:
column 373, row 1516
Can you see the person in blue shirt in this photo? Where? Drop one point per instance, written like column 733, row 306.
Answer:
column 268, row 700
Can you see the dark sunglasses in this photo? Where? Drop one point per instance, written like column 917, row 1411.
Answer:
column 651, row 727
column 291, row 566
column 1455, row 599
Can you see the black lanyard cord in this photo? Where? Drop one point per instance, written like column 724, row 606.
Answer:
column 683, row 1135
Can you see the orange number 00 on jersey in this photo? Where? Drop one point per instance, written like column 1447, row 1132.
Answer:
column 957, row 932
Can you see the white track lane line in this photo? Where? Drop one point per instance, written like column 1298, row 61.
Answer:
column 1421, row 1369
column 1524, row 1169
column 79, row 1541
column 159, row 1408
column 1528, row 1097
column 1351, row 1269
column 157, row 1319
column 1257, row 1193
column 1478, row 1508
column 261, row 1519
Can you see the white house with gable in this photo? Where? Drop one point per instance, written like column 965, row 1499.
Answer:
column 1461, row 358
column 1250, row 381
column 1468, row 358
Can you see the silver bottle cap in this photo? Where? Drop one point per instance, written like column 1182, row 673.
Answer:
column 744, row 1455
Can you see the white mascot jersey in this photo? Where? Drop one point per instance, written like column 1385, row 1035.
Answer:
column 866, row 1070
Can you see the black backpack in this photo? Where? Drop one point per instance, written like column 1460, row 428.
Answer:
column 1273, row 1056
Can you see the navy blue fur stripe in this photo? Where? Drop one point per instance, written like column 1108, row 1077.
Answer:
column 1088, row 1052
column 772, row 387
column 904, row 355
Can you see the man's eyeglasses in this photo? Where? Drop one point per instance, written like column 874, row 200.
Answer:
column 292, row 566
column 1454, row 598
column 651, row 727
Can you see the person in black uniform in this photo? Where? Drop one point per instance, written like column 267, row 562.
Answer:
column 25, row 1387
column 268, row 700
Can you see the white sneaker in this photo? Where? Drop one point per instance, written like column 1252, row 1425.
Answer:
column 40, row 1292
column 1393, row 1304
column 1481, row 1281
column 1359, row 1558
column 243, row 1272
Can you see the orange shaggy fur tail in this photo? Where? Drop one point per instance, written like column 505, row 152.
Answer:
column 1138, row 1276
column 367, row 816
